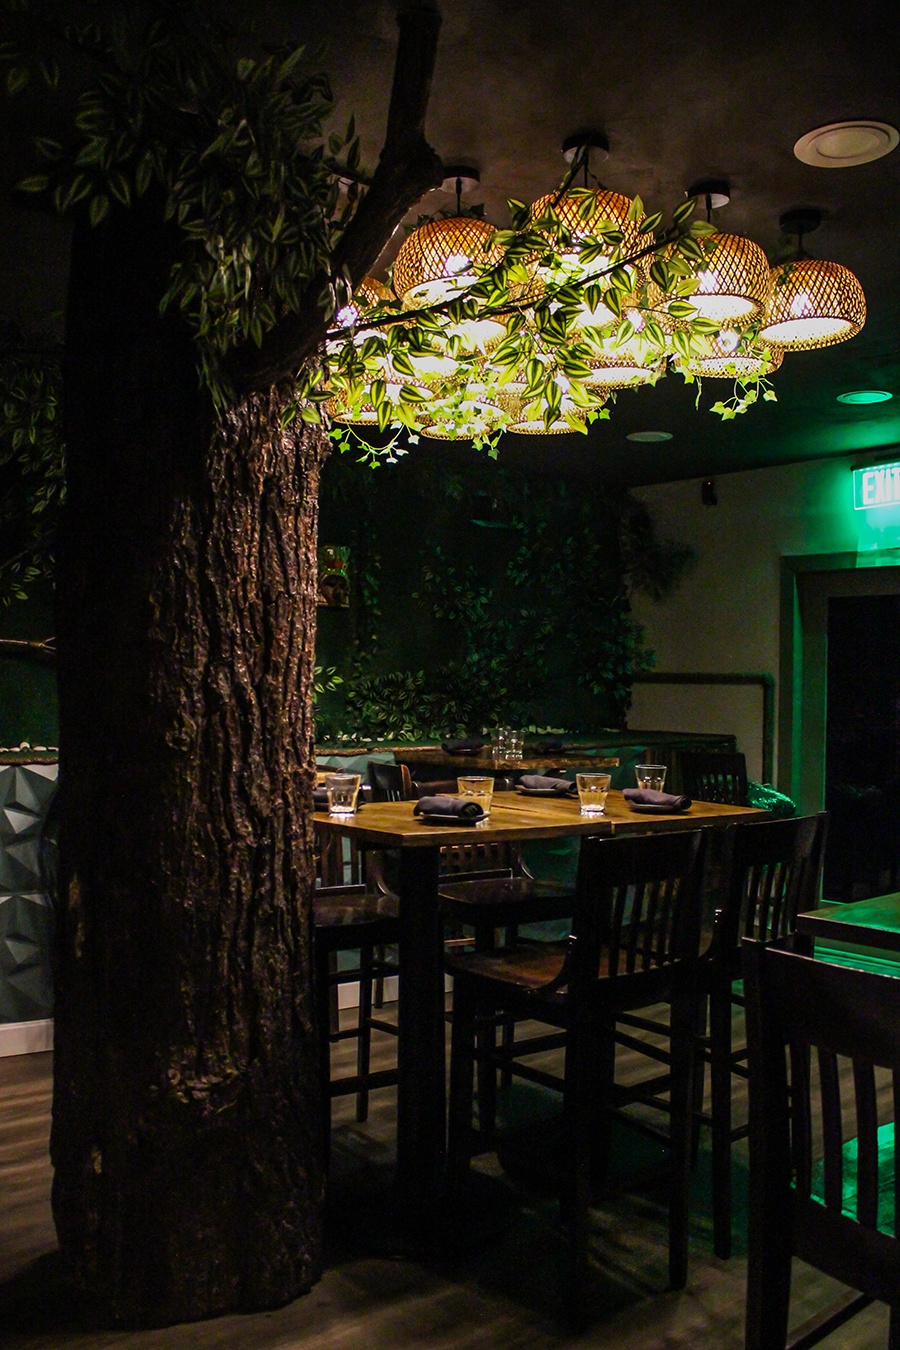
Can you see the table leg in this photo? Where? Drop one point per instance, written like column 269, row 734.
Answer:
column 421, row 1091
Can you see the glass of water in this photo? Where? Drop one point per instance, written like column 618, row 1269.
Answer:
column 592, row 790
column 500, row 745
column 515, row 745
column 342, row 789
column 480, row 787
column 650, row 776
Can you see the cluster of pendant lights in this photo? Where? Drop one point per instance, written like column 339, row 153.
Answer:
column 798, row 305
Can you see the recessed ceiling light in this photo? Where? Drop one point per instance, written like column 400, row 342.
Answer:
column 865, row 396
column 648, row 437
column 840, row 145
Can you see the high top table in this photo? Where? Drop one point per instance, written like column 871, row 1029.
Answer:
column 867, row 923
column 514, row 818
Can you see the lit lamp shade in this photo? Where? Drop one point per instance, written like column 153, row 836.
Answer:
column 365, row 414
column 731, row 359
column 464, row 420
column 620, row 367
column 734, row 285
column 523, row 425
column 813, row 304
column 609, row 208
column 435, row 262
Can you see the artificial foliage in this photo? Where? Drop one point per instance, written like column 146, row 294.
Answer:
column 519, row 618
column 32, row 461
column 234, row 140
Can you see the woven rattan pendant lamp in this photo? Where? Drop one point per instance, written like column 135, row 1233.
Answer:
column 731, row 357
column 584, row 211
column 435, row 261
column 733, row 286
column 812, row 303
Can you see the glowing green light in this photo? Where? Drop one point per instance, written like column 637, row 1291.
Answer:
column 876, row 486
column 865, row 396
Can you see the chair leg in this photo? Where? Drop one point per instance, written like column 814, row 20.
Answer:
column 334, row 1012
column 323, row 1007
column 486, row 1052
column 364, row 1031
column 768, row 1275
column 462, row 1065
column 579, row 1118
column 721, row 1082
column 699, row 1087
column 894, row 1330
column 684, row 1045
column 508, row 1042
column 378, row 999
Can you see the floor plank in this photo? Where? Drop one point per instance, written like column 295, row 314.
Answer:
column 501, row 1295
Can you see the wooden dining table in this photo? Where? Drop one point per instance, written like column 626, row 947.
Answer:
column 865, row 923
column 514, row 818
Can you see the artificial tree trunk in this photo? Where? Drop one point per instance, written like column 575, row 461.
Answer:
column 185, row 1142
column 188, row 1163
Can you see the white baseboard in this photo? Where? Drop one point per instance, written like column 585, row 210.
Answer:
column 348, row 994
column 26, row 1038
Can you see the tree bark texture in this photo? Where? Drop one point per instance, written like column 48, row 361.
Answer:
column 186, row 1141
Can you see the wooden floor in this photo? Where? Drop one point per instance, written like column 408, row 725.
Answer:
column 501, row 1295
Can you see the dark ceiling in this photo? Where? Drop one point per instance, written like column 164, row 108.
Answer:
column 683, row 91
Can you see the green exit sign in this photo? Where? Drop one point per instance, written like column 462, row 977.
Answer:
column 877, row 486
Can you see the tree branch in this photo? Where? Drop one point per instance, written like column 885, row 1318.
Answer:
column 43, row 650
column 407, row 168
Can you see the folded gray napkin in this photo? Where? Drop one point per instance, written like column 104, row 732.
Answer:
column 647, row 797
column 537, row 782
column 464, row 807
column 462, row 743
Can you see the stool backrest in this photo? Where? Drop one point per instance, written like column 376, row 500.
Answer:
column 773, row 870
column 821, row 1142
column 390, row 782
column 708, row 776
column 637, row 907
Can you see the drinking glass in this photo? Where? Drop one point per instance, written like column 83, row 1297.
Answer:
column 478, row 786
column 650, row 776
column 592, row 790
column 500, row 745
column 515, row 745
column 342, row 791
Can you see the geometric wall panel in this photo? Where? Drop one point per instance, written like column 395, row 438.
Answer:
column 26, row 911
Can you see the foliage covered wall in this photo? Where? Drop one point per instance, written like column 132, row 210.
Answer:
column 482, row 594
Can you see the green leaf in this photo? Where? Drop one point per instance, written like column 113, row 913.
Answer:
column 37, row 182
column 659, row 273
column 683, row 213
column 770, row 396
column 680, row 309
column 99, row 208
column 651, row 224
column 636, row 210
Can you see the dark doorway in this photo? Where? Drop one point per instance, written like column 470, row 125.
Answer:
column 862, row 765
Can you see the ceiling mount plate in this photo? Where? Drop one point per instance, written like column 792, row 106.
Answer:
column 801, row 220
column 596, row 142
column 840, row 145
column 718, row 190
column 460, row 178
